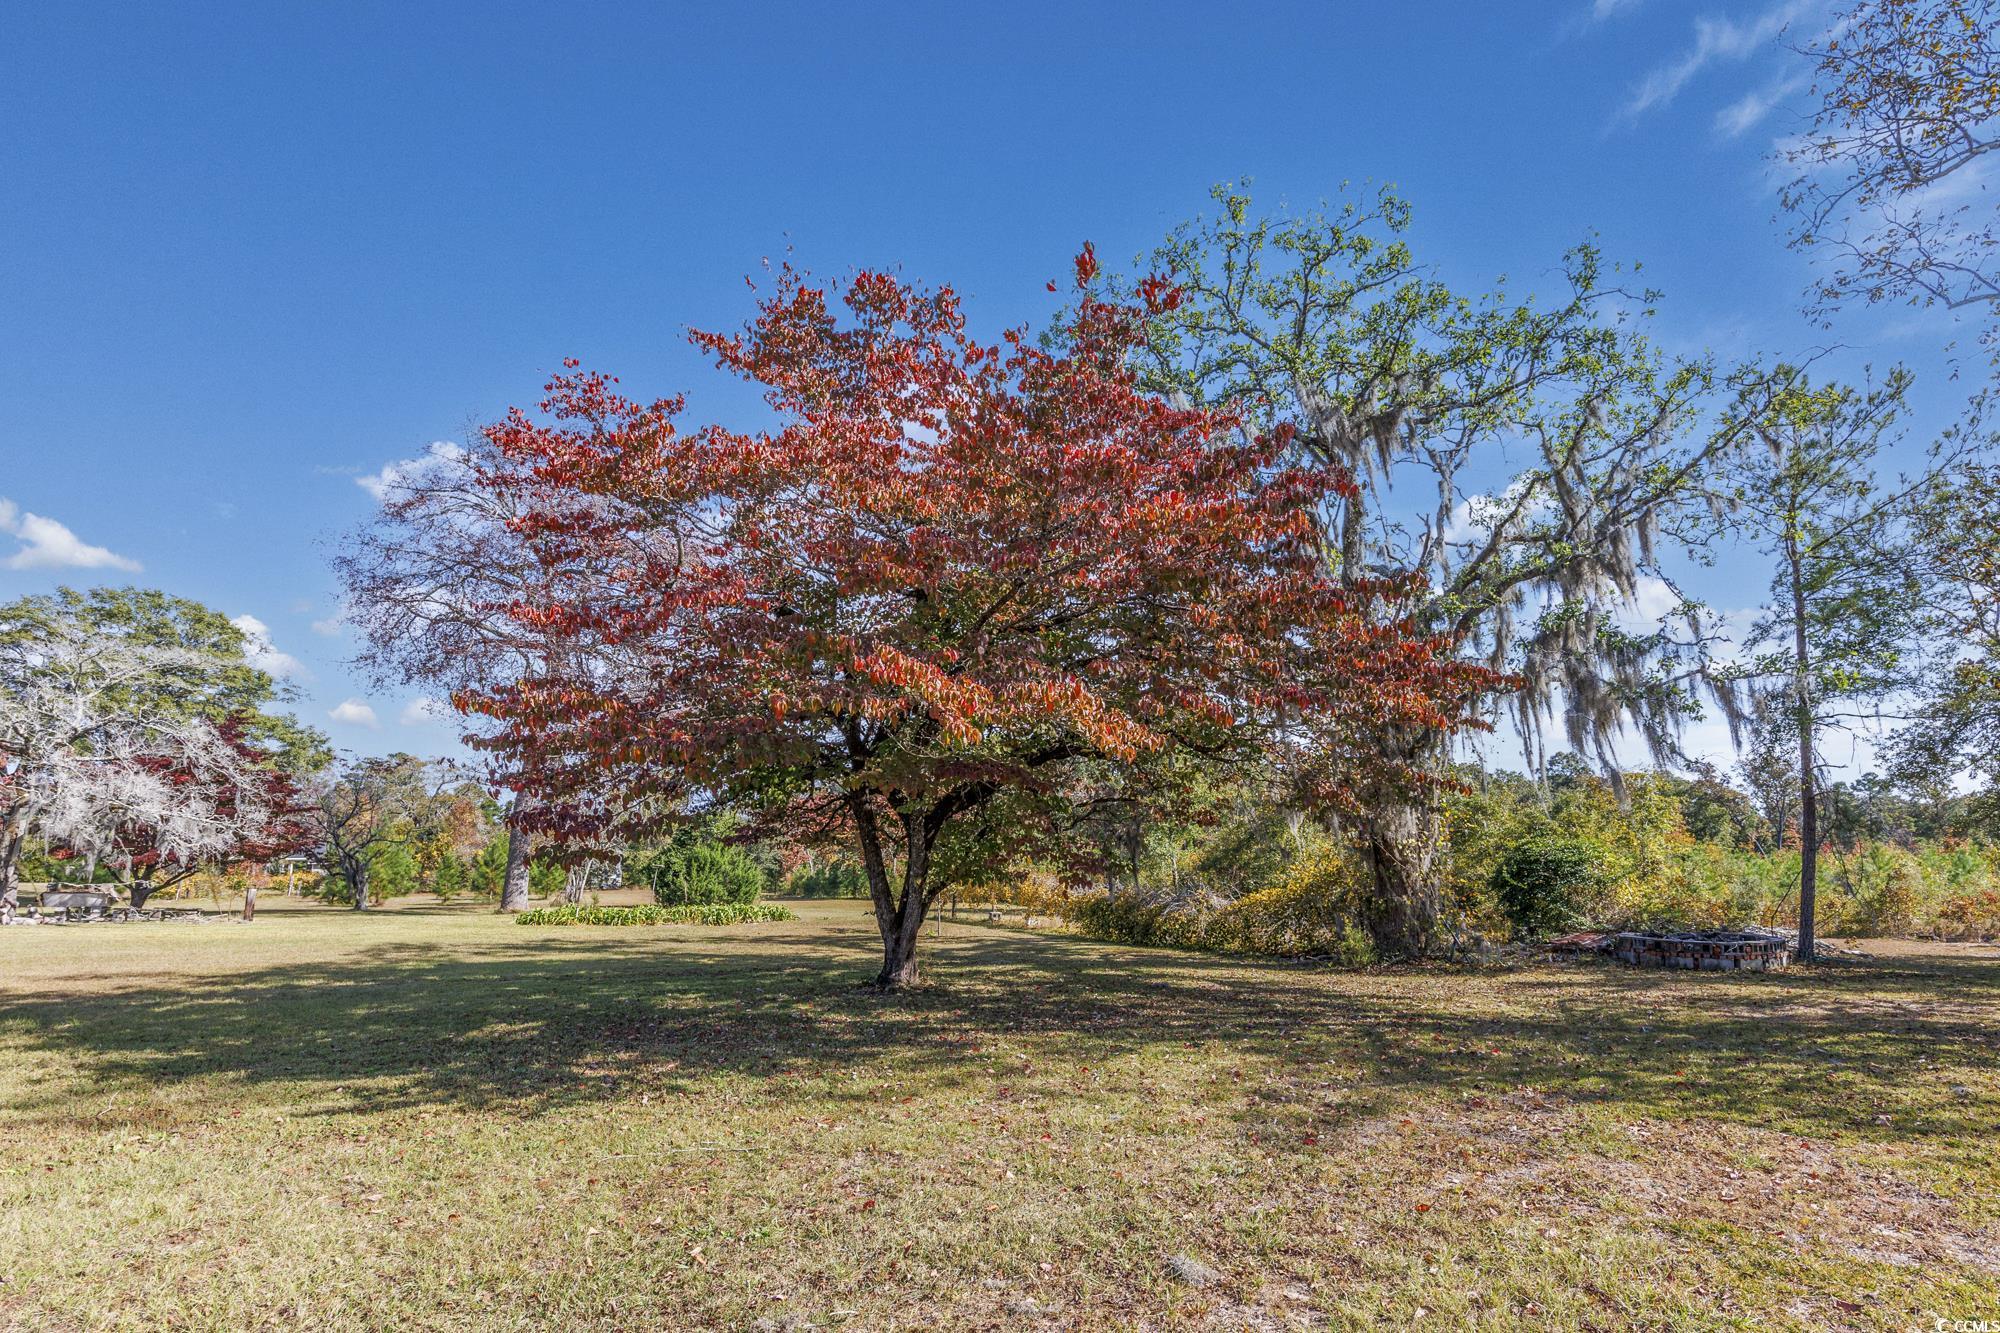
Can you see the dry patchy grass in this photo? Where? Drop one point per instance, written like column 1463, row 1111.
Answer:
column 434, row 1118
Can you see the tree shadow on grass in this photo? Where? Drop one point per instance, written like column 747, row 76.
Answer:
column 548, row 1022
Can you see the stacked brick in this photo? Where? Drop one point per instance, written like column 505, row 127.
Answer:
column 1707, row 951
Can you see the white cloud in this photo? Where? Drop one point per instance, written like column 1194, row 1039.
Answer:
column 1750, row 110
column 1601, row 10
column 329, row 627
column 417, row 712
column 1715, row 40
column 263, row 654
column 379, row 484
column 1654, row 599
column 355, row 713
column 47, row 544
column 1473, row 517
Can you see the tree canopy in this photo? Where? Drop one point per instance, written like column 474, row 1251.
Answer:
column 954, row 575
column 134, row 729
column 1908, row 96
column 1520, row 460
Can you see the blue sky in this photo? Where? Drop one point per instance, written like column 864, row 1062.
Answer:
column 252, row 254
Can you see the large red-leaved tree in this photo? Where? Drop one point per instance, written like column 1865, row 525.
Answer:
column 955, row 586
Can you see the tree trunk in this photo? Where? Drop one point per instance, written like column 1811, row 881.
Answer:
column 10, row 861
column 899, row 946
column 1808, row 847
column 141, row 890
column 250, row 903
column 1808, row 793
column 899, row 920
column 356, row 871
column 1400, row 833
column 1399, row 847
column 514, row 887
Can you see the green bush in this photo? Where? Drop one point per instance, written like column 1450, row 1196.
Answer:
column 545, row 877
column 489, row 868
column 703, row 914
column 832, row 879
column 451, row 878
column 1311, row 912
column 700, row 872
column 1547, row 883
column 392, row 872
column 1128, row 918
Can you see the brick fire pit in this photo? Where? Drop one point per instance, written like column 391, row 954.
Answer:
column 1697, row 950
column 1705, row 950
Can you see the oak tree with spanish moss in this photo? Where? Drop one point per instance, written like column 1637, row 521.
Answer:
column 1518, row 460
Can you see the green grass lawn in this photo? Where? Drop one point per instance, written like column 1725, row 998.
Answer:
column 433, row 1118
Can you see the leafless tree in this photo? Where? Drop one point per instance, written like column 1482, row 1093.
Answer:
column 429, row 582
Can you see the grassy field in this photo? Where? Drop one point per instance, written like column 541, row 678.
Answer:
column 433, row 1118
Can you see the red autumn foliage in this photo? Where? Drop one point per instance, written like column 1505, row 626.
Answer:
column 953, row 579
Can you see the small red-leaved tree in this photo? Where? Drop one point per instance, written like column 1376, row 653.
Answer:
column 955, row 579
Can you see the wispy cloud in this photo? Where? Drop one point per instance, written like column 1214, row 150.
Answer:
column 47, row 544
column 1716, row 41
column 1600, row 10
column 1749, row 111
column 356, row 713
column 265, row 655
column 420, row 711
column 379, row 484
column 331, row 627
column 1655, row 602
column 1654, row 599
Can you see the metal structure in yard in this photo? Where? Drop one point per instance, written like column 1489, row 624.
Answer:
column 74, row 904
column 58, row 907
